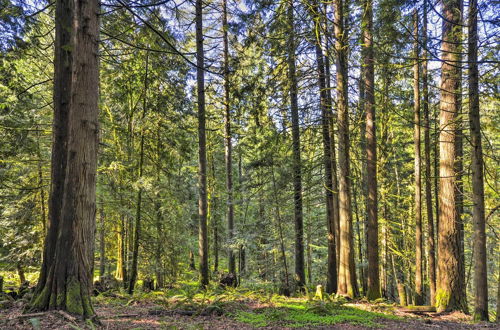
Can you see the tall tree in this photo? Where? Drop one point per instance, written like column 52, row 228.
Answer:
column 202, row 149
column 138, row 214
column 450, row 285
column 63, row 59
column 347, row 275
column 477, row 164
column 297, row 174
column 373, row 291
column 227, row 140
column 418, row 177
column 427, row 154
column 68, row 283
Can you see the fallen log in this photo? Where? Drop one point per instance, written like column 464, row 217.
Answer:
column 418, row 309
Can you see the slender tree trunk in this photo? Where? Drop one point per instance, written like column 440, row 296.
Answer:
column 325, row 105
column 202, row 152
column 418, row 177
column 297, row 173
column 102, row 243
column 428, row 182
column 478, row 213
column 228, row 147
column 373, row 290
column 280, row 232
column 68, row 281
column 449, row 292
column 347, row 275
column 333, row 156
column 137, row 228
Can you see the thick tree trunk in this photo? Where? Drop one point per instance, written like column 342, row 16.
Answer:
column 373, row 283
column 418, row 177
column 63, row 59
column 347, row 275
column 202, row 152
column 227, row 140
column 449, row 292
column 478, row 212
column 428, row 182
column 297, row 172
column 68, row 281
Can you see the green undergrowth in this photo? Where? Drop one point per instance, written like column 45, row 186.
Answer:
column 255, row 306
column 303, row 313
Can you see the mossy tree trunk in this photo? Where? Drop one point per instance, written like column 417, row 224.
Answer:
column 67, row 281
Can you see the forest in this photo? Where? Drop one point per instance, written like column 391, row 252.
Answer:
column 241, row 164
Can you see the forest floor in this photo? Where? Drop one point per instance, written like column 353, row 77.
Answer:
column 188, row 308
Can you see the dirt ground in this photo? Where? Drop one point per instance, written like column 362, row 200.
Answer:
column 151, row 316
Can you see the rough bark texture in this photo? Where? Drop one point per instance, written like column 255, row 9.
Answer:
column 450, row 286
column 373, row 283
column 428, row 183
column 202, row 153
column 63, row 58
column 418, row 176
column 478, row 213
column 347, row 276
column 68, row 281
column 297, row 173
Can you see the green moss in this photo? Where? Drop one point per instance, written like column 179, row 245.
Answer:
column 73, row 297
column 442, row 300
column 302, row 314
column 39, row 302
column 372, row 295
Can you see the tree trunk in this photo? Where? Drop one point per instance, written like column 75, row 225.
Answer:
column 63, row 58
column 102, row 244
column 373, row 284
column 478, row 213
column 68, row 281
column 227, row 140
column 202, row 152
column 297, row 173
column 428, row 183
column 347, row 275
column 325, row 105
column 137, row 227
column 418, row 177
column 449, row 292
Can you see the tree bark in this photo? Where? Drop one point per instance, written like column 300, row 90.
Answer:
column 297, row 172
column 68, row 281
column 428, row 182
column 228, row 146
column 373, row 283
column 418, row 176
column 477, row 165
column 202, row 152
column 137, row 227
column 347, row 275
column 102, row 244
column 63, row 58
column 449, row 292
